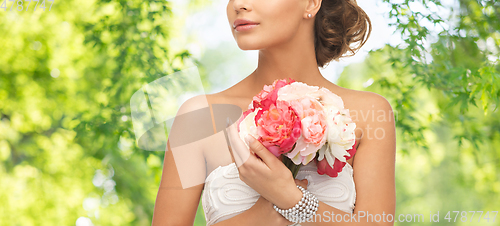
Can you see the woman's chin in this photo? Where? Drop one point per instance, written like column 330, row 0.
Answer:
column 248, row 46
column 249, row 43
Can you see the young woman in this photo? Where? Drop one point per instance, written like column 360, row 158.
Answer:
column 294, row 38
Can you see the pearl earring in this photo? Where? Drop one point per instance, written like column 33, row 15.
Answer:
column 309, row 15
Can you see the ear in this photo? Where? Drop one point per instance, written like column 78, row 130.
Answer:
column 312, row 7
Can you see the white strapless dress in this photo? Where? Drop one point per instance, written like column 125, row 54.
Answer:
column 225, row 195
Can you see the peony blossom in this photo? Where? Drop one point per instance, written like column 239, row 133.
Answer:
column 329, row 100
column 325, row 168
column 340, row 136
column 269, row 94
column 314, row 128
column 278, row 128
column 297, row 90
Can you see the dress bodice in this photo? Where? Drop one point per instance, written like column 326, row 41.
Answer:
column 225, row 195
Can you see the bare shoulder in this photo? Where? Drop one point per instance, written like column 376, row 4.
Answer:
column 364, row 99
column 378, row 101
column 192, row 123
column 194, row 103
column 365, row 106
column 204, row 101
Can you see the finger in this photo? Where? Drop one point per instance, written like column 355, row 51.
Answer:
column 240, row 151
column 260, row 150
column 302, row 183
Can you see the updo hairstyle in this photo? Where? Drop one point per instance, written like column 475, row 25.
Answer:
column 341, row 28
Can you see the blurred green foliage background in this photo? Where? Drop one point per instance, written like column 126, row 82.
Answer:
column 67, row 149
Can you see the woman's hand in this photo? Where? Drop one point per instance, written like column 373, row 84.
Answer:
column 267, row 174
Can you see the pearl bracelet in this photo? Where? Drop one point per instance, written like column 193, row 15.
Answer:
column 302, row 211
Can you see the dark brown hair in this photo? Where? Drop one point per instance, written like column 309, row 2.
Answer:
column 341, row 27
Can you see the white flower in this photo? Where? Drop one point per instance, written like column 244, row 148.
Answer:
column 248, row 126
column 340, row 138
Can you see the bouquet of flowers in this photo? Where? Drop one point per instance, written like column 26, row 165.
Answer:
column 300, row 123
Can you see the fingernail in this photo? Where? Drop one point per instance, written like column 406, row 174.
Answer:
column 248, row 138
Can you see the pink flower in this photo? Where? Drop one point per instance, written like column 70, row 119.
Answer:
column 263, row 98
column 298, row 90
column 324, row 167
column 269, row 94
column 314, row 128
column 329, row 100
column 278, row 127
column 313, row 121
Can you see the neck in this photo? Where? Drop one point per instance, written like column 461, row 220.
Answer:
column 294, row 59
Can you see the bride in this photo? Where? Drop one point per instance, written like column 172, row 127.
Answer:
column 294, row 38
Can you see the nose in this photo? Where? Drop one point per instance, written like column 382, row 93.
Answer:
column 240, row 5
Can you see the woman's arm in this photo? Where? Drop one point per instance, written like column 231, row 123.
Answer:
column 184, row 166
column 262, row 213
column 175, row 205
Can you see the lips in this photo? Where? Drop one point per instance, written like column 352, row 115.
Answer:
column 240, row 22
